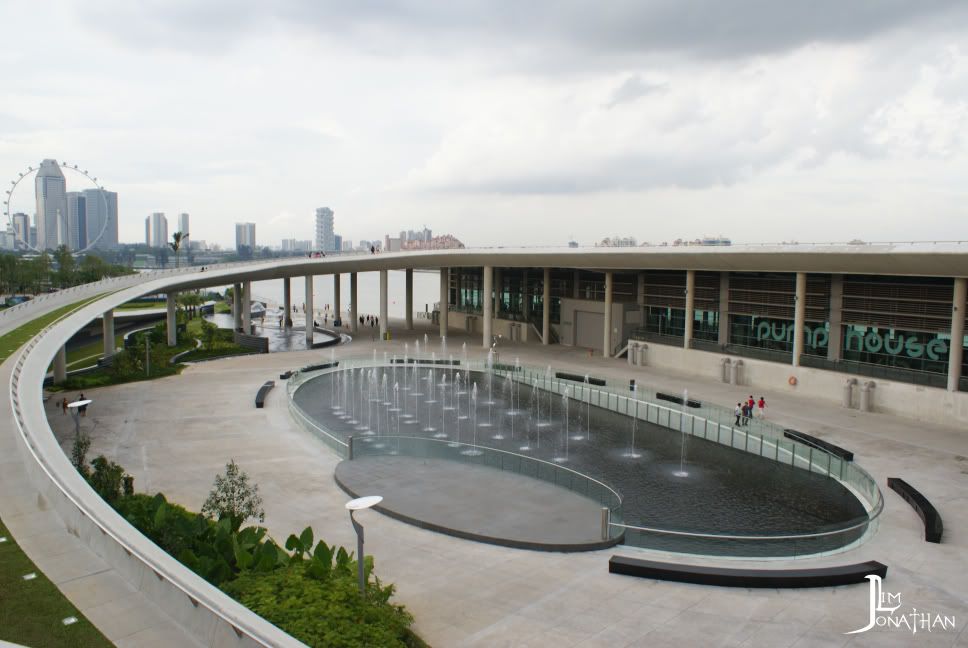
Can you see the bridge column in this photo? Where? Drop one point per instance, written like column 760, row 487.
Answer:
column 546, row 308
column 409, row 315
column 383, row 304
column 488, row 297
column 799, row 316
column 957, row 334
column 107, row 332
column 247, row 307
column 287, row 302
column 309, row 311
column 607, row 348
column 171, row 321
column 354, row 316
column 60, row 365
column 444, row 289
column 237, row 306
column 337, row 308
column 690, row 307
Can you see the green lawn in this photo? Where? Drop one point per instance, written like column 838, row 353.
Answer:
column 141, row 305
column 91, row 352
column 32, row 612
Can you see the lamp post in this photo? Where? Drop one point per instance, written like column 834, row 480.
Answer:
column 360, row 504
column 75, row 408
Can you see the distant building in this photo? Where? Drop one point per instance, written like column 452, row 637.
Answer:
column 616, row 241
column 716, row 240
column 156, row 230
column 245, row 235
column 444, row 242
column 391, row 244
column 77, row 220
column 102, row 218
column 21, row 227
column 51, row 193
column 33, row 235
column 183, row 224
column 347, row 245
column 293, row 245
column 8, row 240
column 197, row 245
column 325, row 238
column 337, row 242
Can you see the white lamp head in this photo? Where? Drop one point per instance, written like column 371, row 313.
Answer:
column 361, row 503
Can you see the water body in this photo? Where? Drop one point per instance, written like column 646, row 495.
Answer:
column 725, row 491
column 426, row 292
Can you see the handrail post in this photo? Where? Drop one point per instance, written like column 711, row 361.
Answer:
column 604, row 523
column 349, row 448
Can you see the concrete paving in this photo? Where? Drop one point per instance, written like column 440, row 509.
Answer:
column 175, row 434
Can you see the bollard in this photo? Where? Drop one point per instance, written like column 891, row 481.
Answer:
column 734, row 377
column 604, row 523
column 726, row 362
column 867, row 396
column 848, row 398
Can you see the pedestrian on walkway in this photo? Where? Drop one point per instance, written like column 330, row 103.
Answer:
column 83, row 408
column 738, row 411
column 761, row 408
column 64, row 405
column 746, row 414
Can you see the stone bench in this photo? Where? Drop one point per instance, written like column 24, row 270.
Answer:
column 820, row 444
column 742, row 577
column 598, row 382
column 933, row 527
column 260, row 397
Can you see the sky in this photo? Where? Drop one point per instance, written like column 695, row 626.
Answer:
column 501, row 122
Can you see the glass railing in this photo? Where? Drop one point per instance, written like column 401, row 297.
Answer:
column 711, row 423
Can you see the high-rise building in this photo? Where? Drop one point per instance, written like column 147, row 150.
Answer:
column 324, row 230
column 102, row 216
column 156, row 230
column 77, row 220
column 33, row 234
column 337, row 242
column 183, row 224
column 245, row 235
column 51, row 192
column 21, row 227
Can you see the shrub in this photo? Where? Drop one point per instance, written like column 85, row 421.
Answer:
column 234, row 497
column 325, row 613
column 106, row 479
column 82, row 443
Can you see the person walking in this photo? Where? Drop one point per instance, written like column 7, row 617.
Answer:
column 738, row 411
column 761, row 408
column 64, row 405
column 83, row 408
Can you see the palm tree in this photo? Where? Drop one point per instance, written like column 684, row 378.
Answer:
column 176, row 242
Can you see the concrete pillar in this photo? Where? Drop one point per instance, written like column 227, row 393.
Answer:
column 383, row 304
column 690, row 307
column 498, row 291
column 574, row 289
column 525, row 298
column 287, row 301
column 409, row 299
column 107, row 333
column 310, row 329
column 799, row 311
column 723, row 308
column 237, row 306
column 607, row 348
column 60, row 365
column 488, row 304
column 444, row 289
column 835, row 318
column 247, row 307
column 957, row 334
column 171, row 321
column 354, row 316
column 337, row 307
column 546, row 308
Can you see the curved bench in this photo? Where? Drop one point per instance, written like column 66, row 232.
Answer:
column 260, row 397
column 820, row 444
column 598, row 382
column 933, row 527
column 738, row 577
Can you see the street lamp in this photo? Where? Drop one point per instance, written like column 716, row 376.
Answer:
column 75, row 408
column 360, row 504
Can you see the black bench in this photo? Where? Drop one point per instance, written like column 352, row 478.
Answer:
column 820, row 444
column 598, row 382
column 933, row 527
column 316, row 367
column 260, row 398
column 453, row 363
column 676, row 399
column 737, row 577
column 285, row 376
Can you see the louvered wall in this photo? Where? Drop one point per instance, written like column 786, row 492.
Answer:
column 772, row 295
column 907, row 303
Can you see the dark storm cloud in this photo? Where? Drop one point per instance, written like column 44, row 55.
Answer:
column 702, row 28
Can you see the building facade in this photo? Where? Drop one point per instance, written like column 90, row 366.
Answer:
column 51, row 195
column 77, row 220
column 183, row 224
column 156, row 230
column 102, row 218
column 245, row 236
column 325, row 237
column 21, row 228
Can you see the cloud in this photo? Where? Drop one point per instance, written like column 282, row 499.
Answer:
column 633, row 88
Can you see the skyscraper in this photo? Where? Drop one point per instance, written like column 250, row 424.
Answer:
column 21, row 227
column 77, row 220
column 183, row 224
column 245, row 235
column 324, row 229
column 51, row 192
column 156, row 230
column 97, row 200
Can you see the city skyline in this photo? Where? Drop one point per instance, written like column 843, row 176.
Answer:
column 826, row 122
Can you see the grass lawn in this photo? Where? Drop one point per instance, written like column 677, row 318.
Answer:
column 141, row 305
column 91, row 352
column 32, row 612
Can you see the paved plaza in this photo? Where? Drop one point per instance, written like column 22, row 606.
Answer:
column 175, row 434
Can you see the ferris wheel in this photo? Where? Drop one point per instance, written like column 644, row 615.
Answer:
column 31, row 171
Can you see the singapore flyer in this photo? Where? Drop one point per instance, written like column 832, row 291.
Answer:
column 78, row 219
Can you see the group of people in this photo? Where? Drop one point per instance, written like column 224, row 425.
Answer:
column 82, row 409
column 745, row 410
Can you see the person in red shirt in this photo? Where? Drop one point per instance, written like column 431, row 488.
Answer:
column 761, row 408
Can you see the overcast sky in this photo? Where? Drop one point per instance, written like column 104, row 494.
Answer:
column 502, row 122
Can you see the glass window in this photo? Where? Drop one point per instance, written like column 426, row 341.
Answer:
column 914, row 350
column 663, row 320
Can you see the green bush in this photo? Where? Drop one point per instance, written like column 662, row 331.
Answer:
column 327, row 613
column 106, row 479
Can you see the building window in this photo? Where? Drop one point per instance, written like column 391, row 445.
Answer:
column 665, row 321
column 912, row 350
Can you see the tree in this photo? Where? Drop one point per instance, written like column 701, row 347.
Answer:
column 233, row 496
column 190, row 301
column 65, row 265
column 176, row 243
